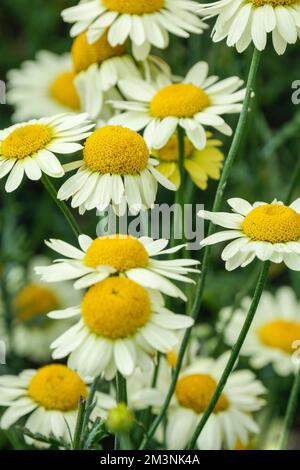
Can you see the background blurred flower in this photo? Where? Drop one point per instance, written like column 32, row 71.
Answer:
column 32, row 330
column 199, row 164
column 275, row 328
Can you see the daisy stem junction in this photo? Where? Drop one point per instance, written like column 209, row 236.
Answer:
column 290, row 411
column 238, row 136
column 62, row 206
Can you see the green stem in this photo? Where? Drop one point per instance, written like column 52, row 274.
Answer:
column 294, row 183
column 241, row 126
column 62, row 205
column 79, row 424
column 290, row 412
column 234, row 353
column 178, row 224
column 121, row 389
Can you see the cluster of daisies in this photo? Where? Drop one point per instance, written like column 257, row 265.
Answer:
column 105, row 307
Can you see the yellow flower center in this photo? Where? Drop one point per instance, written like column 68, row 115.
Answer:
column 85, row 54
column 180, row 100
column 25, row 141
column 56, row 387
column 169, row 153
column 34, row 300
column 64, row 91
column 273, row 3
column 195, row 392
column 272, row 223
column 116, row 308
column 122, row 252
column 116, row 150
column 280, row 334
column 134, row 7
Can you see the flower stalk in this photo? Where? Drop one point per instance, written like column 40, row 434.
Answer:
column 237, row 139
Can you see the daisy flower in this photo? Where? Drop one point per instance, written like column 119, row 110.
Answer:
column 30, row 147
column 122, row 332
column 264, row 231
column 43, row 87
column 232, row 417
column 117, row 168
column 246, row 21
column 199, row 164
column 195, row 103
column 119, row 254
column 98, row 68
column 32, row 331
column 275, row 328
column 49, row 397
column 146, row 22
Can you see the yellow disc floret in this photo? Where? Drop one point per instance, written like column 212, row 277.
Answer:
column 56, row 387
column 85, row 54
column 272, row 223
column 180, row 100
column 169, row 153
column 280, row 334
column 34, row 300
column 195, row 391
column 116, row 150
column 116, row 308
column 63, row 90
column 25, row 141
column 119, row 251
column 134, row 7
column 273, row 3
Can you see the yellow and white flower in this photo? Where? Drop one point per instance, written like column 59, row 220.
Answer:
column 123, row 255
column 232, row 418
column 246, row 21
column 275, row 328
column 49, row 397
column 195, row 103
column 146, row 22
column 116, row 168
column 264, row 231
column 122, row 331
column 30, row 147
column 43, row 87
column 199, row 164
column 32, row 331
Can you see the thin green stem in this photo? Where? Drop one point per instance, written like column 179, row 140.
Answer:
column 240, row 130
column 234, row 353
column 178, row 223
column 290, row 412
column 79, row 424
column 121, row 389
column 294, row 183
column 62, row 205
